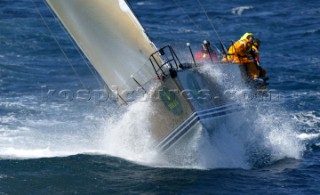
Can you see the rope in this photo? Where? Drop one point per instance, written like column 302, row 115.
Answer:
column 212, row 26
column 181, row 7
column 92, row 70
column 210, row 21
column 65, row 55
column 184, row 11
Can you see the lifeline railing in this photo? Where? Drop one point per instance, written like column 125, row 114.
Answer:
column 170, row 61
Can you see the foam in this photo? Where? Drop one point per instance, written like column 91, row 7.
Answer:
column 127, row 135
column 264, row 132
column 310, row 136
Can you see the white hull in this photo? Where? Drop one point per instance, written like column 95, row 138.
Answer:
column 204, row 111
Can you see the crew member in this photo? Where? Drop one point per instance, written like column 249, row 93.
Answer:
column 255, row 54
column 240, row 53
column 206, row 54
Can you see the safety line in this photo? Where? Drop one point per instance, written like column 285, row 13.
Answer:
column 92, row 70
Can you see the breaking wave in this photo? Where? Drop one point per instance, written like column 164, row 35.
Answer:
column 263, row 133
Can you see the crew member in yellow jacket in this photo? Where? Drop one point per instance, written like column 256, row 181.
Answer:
column 256, row 57
column 239, row 53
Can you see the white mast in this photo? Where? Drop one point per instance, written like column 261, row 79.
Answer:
column 111, row 37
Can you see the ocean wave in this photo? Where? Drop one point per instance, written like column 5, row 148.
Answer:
column 3, row 177
column 22, row 153
column 312, row 31
column 310, row 136
column 310, row 120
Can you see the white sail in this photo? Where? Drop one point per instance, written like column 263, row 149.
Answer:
column 111, row 37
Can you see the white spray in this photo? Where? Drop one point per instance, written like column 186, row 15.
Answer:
column 263, row 133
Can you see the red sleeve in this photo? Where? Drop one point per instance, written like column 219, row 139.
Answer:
column 198, row 56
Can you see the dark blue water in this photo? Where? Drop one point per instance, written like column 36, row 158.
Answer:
column 57, row 140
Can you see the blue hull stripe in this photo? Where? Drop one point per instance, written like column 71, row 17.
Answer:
column 192, row 120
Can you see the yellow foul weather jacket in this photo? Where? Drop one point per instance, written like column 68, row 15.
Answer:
column 239, row 52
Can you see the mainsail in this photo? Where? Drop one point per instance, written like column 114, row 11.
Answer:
column 111, row 37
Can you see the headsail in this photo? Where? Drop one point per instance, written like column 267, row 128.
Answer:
column 111, row 37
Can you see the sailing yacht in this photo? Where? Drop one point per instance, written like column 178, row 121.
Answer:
column 116, row 44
